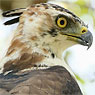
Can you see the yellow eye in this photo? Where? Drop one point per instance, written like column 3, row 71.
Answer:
column 84, row 30
column 61, row 22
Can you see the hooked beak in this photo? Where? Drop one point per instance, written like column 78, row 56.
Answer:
column 86, row 39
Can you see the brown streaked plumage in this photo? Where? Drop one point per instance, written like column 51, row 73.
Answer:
column 20, row 63
column 53, row 81
column 39, row 42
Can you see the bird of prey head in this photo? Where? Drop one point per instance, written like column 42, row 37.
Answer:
column 43, row 33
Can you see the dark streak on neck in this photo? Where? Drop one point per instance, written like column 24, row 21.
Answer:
column 53, row 32
column 53, row 55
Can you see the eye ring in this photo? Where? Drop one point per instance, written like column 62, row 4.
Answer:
column 83, row 30
column 61, row 22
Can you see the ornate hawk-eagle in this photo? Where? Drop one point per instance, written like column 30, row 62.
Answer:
column 44, row 32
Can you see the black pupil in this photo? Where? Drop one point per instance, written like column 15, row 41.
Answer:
column 62, row 22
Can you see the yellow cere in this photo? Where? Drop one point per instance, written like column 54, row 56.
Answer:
column 84, row 30
column 61, row 22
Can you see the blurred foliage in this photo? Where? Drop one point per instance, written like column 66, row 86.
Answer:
column 12, row 4
column 80, row 79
